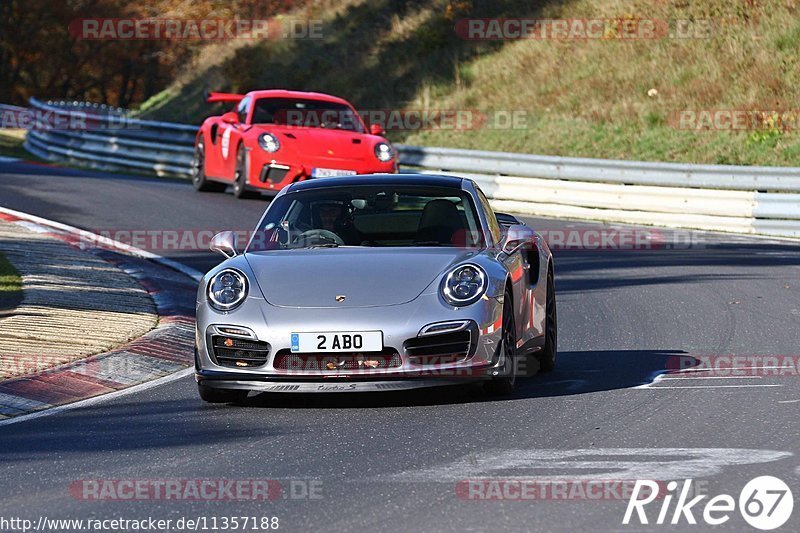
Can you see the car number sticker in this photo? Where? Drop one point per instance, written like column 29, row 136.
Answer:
column 226, row 142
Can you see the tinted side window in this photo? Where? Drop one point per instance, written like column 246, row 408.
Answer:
column 494, row 226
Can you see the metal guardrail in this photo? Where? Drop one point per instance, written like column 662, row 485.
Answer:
column 763, row 200
column 112, row 140
column 4, row 108
column 726, row 177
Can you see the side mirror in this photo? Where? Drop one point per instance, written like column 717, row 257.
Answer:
column 516, row 237
column 224, row 243
column 230, row 117
column 375, row 129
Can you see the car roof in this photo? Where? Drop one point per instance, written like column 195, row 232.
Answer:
column 429, row 180
column 283, row 93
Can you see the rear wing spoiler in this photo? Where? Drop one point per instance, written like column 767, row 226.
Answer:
column 212, row 97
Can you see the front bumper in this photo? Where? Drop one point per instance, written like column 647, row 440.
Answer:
column 267, row 384
column 274, row 174
column 401, row 326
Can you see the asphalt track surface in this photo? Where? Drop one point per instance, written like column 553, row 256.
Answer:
column 395, row 460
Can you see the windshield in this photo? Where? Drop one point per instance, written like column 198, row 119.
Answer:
column 306, row 113
column 370, row 215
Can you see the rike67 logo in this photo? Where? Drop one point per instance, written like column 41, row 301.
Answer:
column 765, row 503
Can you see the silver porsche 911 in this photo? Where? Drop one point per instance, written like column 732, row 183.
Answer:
column 376, row 283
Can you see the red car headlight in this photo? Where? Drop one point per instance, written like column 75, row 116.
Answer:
column 269, row 143
column 384, row 152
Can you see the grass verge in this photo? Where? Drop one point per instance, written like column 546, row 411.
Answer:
column 11, row 144
column 608, row 97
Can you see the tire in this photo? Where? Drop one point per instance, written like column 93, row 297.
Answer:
column 199, row 180
column 503, row 385
column 547, row 357
column 240, row 189
column 212, row 395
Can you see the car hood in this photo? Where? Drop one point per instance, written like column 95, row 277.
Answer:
column 321, row 142
column 366, row 277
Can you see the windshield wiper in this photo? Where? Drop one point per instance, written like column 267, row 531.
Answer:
column 427, row 243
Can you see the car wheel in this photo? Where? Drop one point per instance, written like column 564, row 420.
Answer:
column 212, row 395
column 547, row 357
column 504, row 384
column 199, row 180
column 240, row 177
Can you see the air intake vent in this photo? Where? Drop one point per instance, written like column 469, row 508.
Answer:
column 238, row 353
column 441, row 348
column 273, row 173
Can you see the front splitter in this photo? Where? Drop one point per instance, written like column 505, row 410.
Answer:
column 322, row 387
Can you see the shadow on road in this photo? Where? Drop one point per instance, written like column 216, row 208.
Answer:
column 576, row 373
column 731, row 260
column 142, row 423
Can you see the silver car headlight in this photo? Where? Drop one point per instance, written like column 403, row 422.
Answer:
column 227, row 289
column 384, row 152
column 463, row 285
column 269, row 142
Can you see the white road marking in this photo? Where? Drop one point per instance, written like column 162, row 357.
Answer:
column 102, row 398
column 672, row 377
column 20, row 403
column 590, row 464
column 788, row 401
column 658, row 383
column 734, row 369
column 708, row 387
column 649, row 385
column 35, row 228
column 118, row 246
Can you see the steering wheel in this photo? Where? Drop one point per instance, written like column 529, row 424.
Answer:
column 320, row 235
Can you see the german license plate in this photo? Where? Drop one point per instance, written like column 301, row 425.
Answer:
column 340, row 341
column 331, row 172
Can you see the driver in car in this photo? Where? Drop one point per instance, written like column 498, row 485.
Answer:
column 333, row 217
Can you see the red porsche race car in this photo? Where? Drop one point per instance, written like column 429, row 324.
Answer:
column 277, row 137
